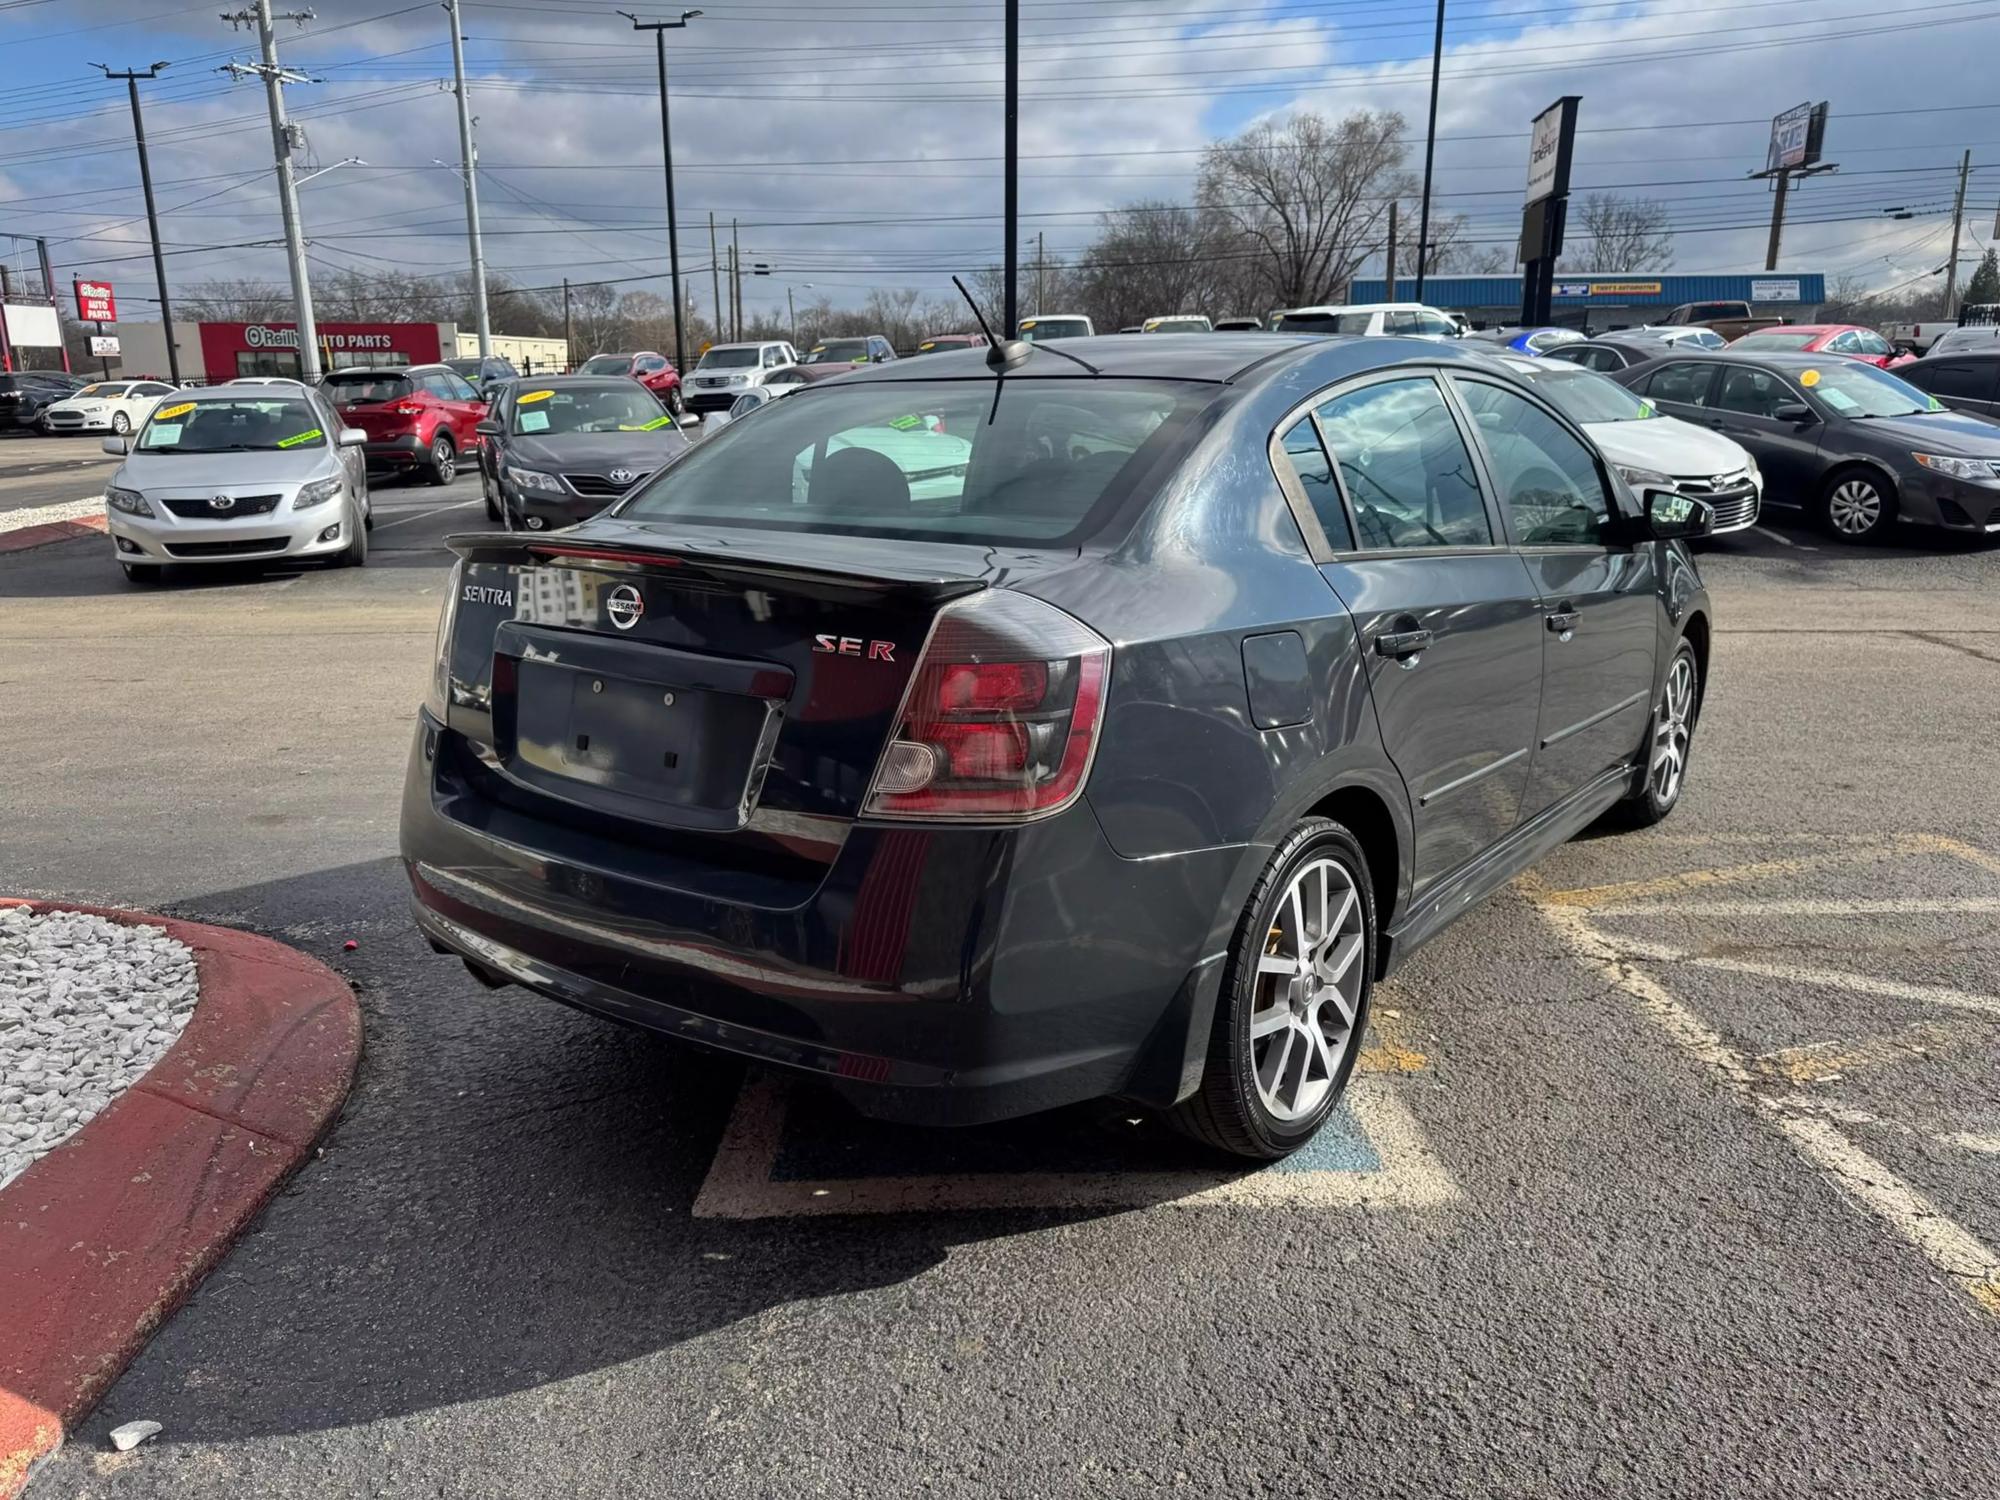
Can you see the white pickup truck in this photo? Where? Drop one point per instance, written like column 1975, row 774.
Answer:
column 1917, row 338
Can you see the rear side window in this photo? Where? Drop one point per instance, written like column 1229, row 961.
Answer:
column 1685, row 383
column 1045, row 464
column 1406, row 467
column 1548, row 481
column 1314, row 472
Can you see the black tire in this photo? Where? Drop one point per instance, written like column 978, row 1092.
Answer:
column 443, row 466
column 486, row 493
column 1230, row 1111
column 355, row 553
column 677, row 403
column 143, row 574
column 1660, row 795
column 1857, row 505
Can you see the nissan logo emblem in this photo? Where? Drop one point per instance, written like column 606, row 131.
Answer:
column 222, row 502
column 623, row 476
column 624, row 606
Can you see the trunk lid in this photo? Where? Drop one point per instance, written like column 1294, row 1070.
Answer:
column 703, row 678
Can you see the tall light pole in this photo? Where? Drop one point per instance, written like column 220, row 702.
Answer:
column 1012, row 210
column 470, row 158
column 660, row 30
column 152, row 214
column 285, row 139
column 1430, row 153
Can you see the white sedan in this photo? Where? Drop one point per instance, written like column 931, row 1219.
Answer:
column 117, row 406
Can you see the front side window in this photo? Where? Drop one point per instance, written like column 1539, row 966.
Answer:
column 1869, row 342
column 1965, row 382
column 605, row 364
column 1314, row 472
column 1549, row 481
column 929, row 459
column 1686, row 384
column 1754, row 393
column 255, row 424
column 1405, row 467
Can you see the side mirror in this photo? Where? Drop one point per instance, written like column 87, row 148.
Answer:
column 489, row 428
column 715, row 421
column 115, row 445
column 1793, row 411
column 1672, row 516
column 352, row 437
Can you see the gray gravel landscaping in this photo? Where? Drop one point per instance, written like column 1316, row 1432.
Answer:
column 86, row 1007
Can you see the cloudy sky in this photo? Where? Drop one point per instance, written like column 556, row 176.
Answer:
column 857, row 145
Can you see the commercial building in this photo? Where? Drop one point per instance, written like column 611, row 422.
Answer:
column 1611, row 300
column 212, row 352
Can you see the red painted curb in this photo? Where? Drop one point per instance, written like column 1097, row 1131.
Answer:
column 51, row 531
column 103, row 1238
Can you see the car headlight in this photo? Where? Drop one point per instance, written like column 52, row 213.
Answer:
column 533, row 479
column 317, row 493
column 1644, row 479
column 1957, row 468
column 440, row 694
column 131, row 502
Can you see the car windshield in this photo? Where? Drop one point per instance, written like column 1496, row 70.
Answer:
column 1034, row 463
column 1585, row 396
column 608, row 408
column 729, row 359
column 1323, row 322
column 105, row 391
column 839, row 352
column 1034, row 330
column 1853, row 389
column 467, row 367
column 1177, row 325
column 355, row 388
column 1776, row 339
column 258, row 424
column 605, row 364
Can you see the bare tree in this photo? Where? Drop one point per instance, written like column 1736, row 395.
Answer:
column 1616, row 233
column 240, row 301
column 1450, row 252
column 1156, row 259
column 1310, row 197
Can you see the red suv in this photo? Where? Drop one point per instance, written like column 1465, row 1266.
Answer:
column 654, row 371
column 419, row 418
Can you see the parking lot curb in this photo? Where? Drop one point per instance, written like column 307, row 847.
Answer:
column 51, row 531
column 104, row 1237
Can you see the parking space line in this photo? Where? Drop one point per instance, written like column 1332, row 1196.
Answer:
column 1883, row 907
column 1823, row 1061
column 1837, row 979
column 1783, row 541
column 428, row 510
column 1596, row 896
column 1955, row 1252
column 742, row 1182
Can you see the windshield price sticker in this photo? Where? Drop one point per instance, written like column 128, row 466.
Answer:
column 163, row 434
column 906, row 424
column 533, row 421
column 523, row 400
column 174, row 411
column 300, row 437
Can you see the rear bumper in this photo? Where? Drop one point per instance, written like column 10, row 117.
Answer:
column 932, row 975
column 397, row 452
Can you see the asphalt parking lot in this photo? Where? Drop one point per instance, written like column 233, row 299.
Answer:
column 1674, row 1169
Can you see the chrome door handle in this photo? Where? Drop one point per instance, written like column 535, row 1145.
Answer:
column 1562, row 621
column 1399, row 644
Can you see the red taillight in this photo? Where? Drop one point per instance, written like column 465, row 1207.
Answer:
column 407, row 410
column 1001, row 717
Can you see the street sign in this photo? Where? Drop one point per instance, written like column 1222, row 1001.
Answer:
column 94, row 302
column 102, row 344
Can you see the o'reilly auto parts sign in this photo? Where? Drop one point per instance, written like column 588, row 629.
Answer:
column 263, row 336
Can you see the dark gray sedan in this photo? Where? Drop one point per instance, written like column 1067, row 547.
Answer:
column 1103, row 719
column 559, row 449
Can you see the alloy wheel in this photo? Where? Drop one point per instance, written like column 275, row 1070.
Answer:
column 120, row 423
column 1855, row 507
column 443, row 461
column 1307, row 990
column 1673, row 730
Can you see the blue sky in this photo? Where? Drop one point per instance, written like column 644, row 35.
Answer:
column 858, row 144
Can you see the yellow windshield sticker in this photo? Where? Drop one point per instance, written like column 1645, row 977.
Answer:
column 1645, row 408
column 819, row 348
column 1027, row 322
column 931, row 345
column 300, row 437
column 526, row 396
column 173, row 411
column 1809, row 379
column 906, row 424
column 652, row 426
column 1935, row 405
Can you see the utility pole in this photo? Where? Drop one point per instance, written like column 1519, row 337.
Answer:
column 735, row 283
column 1041, row 257
column 1011, row 327
column 660, row 30
column 1389, row 277
column 285, row 139
column 1957, row 226
column 470, row 157
column 569, row 348
column 152, row 214
column 1430, row 154
column 791, row 315
column 715, row 275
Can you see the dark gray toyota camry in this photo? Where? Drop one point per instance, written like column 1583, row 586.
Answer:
column 1101, row 720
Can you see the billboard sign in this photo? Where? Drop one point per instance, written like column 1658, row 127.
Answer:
column 94, row 302
column 1796, row 137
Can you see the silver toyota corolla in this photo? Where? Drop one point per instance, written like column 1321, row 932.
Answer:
column 238, row 473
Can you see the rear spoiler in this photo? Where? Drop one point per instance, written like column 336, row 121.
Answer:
column 728, row 566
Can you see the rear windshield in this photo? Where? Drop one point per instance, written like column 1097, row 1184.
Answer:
column 628, row 407
column 1775, row 340
column 253, row 424
column 729, row 359
column 360, row 389
column 605, row 364
column 922, row 459
column 839, row 352
column 1176, row 325
column 1323, row 322
column 1035, row 329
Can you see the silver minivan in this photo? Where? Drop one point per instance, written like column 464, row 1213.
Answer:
column 238, row 473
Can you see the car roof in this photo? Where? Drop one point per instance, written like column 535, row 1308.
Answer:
column 747, row 344
column 578, row 382
column 1815, row 329
column 1358, row 307
column 426, row 365
column 1980, row 349
column 1783, row 359
column 1219, row 358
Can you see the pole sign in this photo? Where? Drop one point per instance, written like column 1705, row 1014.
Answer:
column 102, row 344
column 94, row 302
column 1549, row 145
column 1792, row 143
column 1551, row 142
